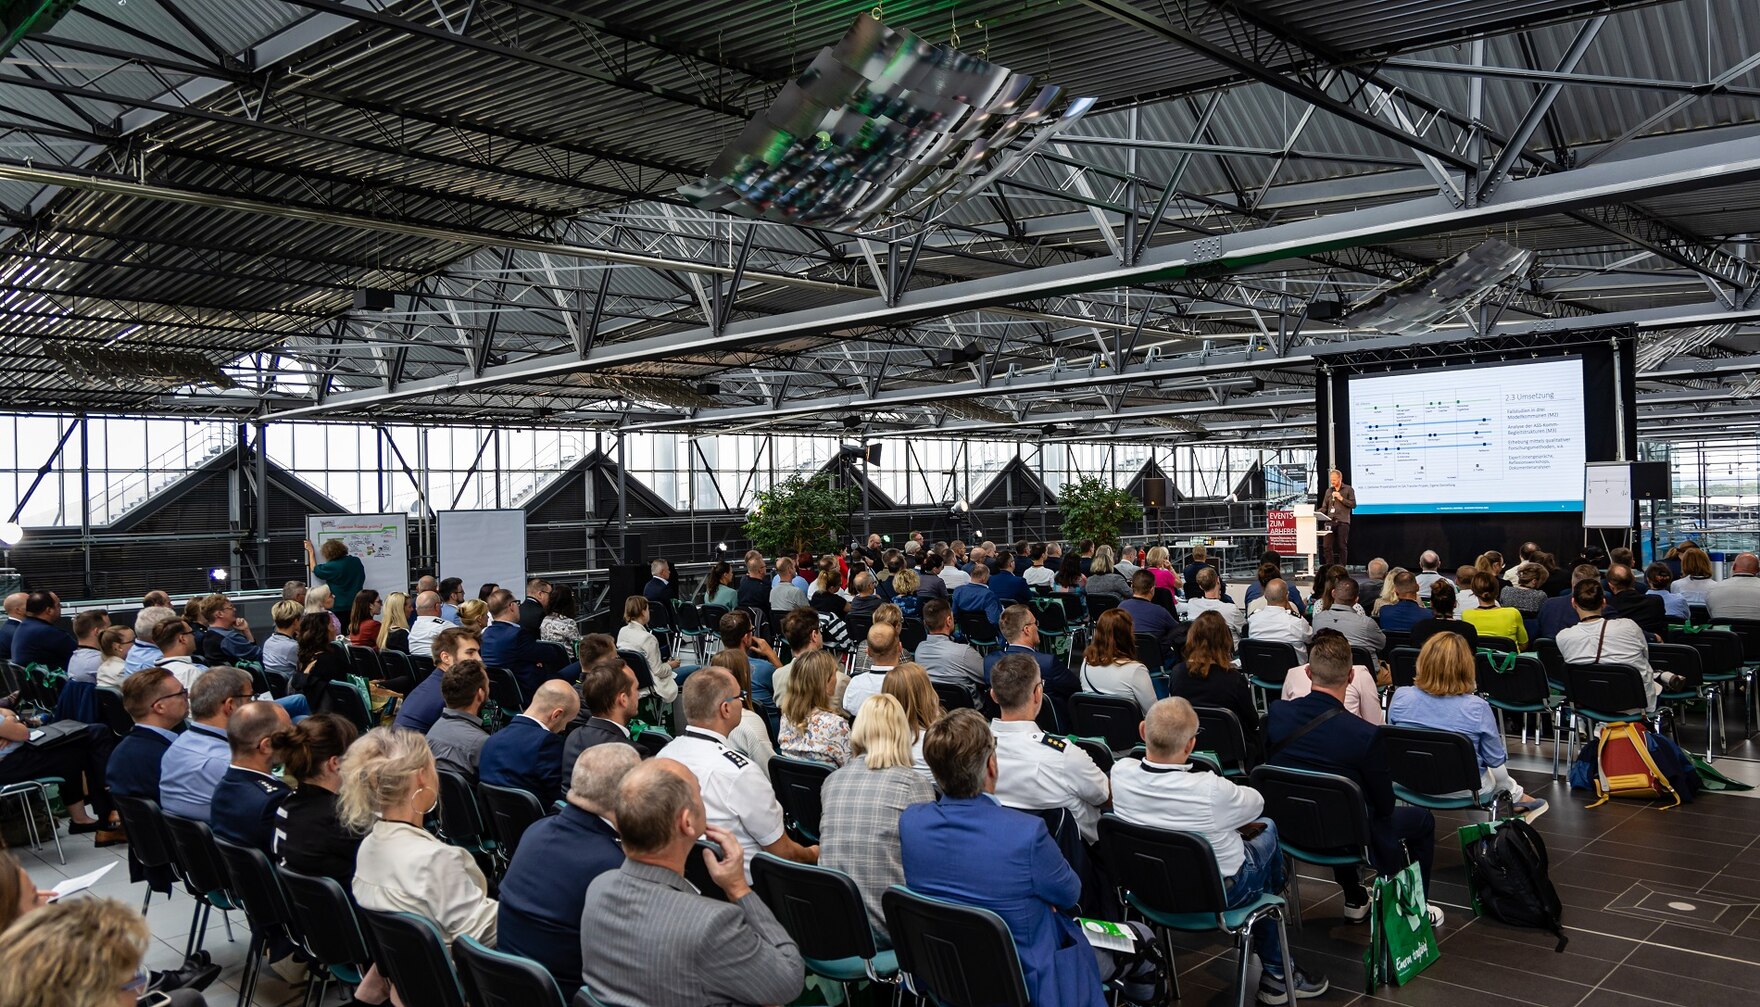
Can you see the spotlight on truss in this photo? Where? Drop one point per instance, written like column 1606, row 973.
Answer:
column 882, row 124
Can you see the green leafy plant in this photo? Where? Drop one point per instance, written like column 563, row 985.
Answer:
column 800, row 515
column 1094, row 509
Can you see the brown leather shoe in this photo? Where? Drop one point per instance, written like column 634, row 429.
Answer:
column 109, row 837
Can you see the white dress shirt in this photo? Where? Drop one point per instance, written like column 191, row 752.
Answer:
column 1035, row 771
column 1280, row 625
column 736, row 793
column 1173, row 797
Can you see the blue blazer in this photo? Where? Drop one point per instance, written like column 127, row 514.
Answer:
column 1346, row 745
column 976, row 598
column 505, row 645
column 244, row 806
column 976, row 852
column 525, row 755
column 1060, row 682
column 37, row 642
column 1009, row 587
column 546, row 888
column 133, row 770
column 1557, row 614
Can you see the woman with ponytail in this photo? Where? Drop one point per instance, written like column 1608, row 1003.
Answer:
column 389, row 784
column 309, row 838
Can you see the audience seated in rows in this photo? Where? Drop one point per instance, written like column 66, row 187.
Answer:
column 884, row 654
column 114, row 643
column 1405, row 611
column 526, row 754
column 243, row 805
column 1658, row 579
column 812, row 728
column 1489, row 617
column 1019, row 630
column 1346, row 617
column 37, row 639
column 1442, row 619
column 1599, row 637
column 421, row 708
column 948, row 660
column 1210, row 598
column 1737, row 597
column 195, row 762
column 1110, row 666
column 752, row 737
column 1208, row 678
column 1360, row 695
column 1149, row 618
column 309, row 835
column 1279, row 620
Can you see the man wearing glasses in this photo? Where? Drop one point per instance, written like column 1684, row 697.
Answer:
column 736, row 794
column 176, row 641
column 195, row 762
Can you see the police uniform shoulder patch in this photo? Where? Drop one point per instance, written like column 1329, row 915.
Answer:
column 268, row 786
column 739, row 761
column 1053, row 741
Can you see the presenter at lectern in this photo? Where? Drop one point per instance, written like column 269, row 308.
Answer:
column 1337, row 504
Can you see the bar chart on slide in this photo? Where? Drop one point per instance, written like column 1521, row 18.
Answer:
column 1489, row 439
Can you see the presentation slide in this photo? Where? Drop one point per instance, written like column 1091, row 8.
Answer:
column 1498, row 439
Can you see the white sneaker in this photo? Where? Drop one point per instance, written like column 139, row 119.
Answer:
column 1435, row 912
column 292, row 972
column 1354, row 912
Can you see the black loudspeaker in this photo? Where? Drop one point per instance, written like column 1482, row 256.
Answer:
column 1650, row 481
column 624, row 580
column 1154, row 492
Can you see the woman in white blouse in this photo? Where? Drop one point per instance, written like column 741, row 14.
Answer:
column 752, row 737
column 634, row 636
column 1695, row 579
column 389, row 784
column 1110, row 666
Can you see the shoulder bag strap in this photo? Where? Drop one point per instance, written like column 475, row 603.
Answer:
column 1304, row 729
column 1601, row 641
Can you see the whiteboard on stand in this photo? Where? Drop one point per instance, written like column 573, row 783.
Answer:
column 484, row 547
column 379, row 541
column 1607, row 495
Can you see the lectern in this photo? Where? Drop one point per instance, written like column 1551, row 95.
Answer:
column 1307, row 535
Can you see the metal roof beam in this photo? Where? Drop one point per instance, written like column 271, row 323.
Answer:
column 1728, row 163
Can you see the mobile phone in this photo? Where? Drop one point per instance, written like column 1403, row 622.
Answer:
column 1251, row 830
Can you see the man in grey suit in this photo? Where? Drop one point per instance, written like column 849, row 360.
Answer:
column 1337, row 504
column 648, row 938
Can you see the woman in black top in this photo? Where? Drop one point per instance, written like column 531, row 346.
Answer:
column 1443, row 619
column 830, row 581
column 1207, row 677
column 308, row 838
column 319, row 662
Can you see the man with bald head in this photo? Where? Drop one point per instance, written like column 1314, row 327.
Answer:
column 427, row 625
column 1429, row 571
column 426, row 582
column 1278, row 621
column 245, row 800
column 735, row 791
column 527, row 753
column 1160, row 790
column 546, row 884
column 14, row 605
column 648, row 936
column 1735, row 598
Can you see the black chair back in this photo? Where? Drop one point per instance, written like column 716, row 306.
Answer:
column 911, row 635
column 797, row 783
column 504, row 690
column 1220, row 731
column 1524, row 684
column 1099, row 751
column 1099, row 898
column 820, row 908
column 366, row 662
column 461, row 817
column 1721, row 652
column 976, row 628
column 1698, row 615
column 1112, row 719
column 1397, row 637
column 111, row 711
column 638, row 664
column 341, row 698
column 148, row 839
column 325, row 916
column 192, row 843
column 1605, row 689
column 1366, row 658
column 397, row 664
column 1267, row 661
column 1679, row 659
column 1747, row 631
column 1075, row 609
column 421, row 667
column 414, row 959
column 254, row 880
column 1099, row 605
column 497, row 979
column 1150, row 653
column 1314, row 811
column 688, row 620
column 1552, row 659
column 1162, row 870
column 1431, row 762
column 953, row 697
column 1403, row 665
column 959, row 955
column 1498, row 643
column 511, row 812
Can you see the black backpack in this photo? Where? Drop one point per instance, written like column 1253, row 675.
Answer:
column 1510, row 882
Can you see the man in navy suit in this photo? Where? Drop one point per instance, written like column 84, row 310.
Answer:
column 1003, row 582
column 1020, row 634
column 158, row 704
column 38, row 640
column 977, row 597
column 527, row 753
column 546, row 884
column 1148, row 617
column 966, row 848
column 14, row 618
column 507, row 645
column 1350, row 747
column 1558, row 613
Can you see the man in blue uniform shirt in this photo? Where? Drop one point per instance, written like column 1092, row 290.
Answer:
column 195, row 762
column 546, row 884
column 527, row 753
column 247, row 796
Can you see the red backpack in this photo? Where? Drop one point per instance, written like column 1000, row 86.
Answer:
column 1625, row 768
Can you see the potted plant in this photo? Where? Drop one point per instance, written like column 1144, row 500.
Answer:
column 1095, row 509
column 799, row 516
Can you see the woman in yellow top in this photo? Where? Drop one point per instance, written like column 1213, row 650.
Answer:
column 1490, row 618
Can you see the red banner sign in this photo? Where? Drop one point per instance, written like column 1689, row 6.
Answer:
column 1280, row 529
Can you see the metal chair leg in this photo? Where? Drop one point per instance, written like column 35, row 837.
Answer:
column 54, row 829
column 1289, row 955
column 226, row 918
column 1172, row 967
column 1294, row 898
column 1243, row 943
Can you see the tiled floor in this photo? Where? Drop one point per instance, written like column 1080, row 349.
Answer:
column 1659, row 907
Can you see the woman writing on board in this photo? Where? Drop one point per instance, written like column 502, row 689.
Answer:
column 343, row 573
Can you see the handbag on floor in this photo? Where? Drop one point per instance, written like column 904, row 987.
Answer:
column 1402, row 943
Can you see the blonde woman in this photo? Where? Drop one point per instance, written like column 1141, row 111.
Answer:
column 394, row 623
column 811, row 727
column 79, row 953
column 113, row 644
column 858, row 828
column 909, row 684
column 1103, row 576
column 389, row 784
column 1159, row 564
column 1444, row 699
column 904, row 593
column 1387, row 596
column 320, row 599
column 752, row 737
column 474, row 615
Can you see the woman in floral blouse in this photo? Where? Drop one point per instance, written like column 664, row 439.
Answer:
column 811, row 726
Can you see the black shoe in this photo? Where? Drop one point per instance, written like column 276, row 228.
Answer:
column 84, row 828
column 193, row 976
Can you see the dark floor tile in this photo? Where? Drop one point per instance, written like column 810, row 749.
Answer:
column 1605, row 997
column 1710, row 967
column 1515, row 978
column 1680, row 983
column 1681, row 850
column 1586, row 961
column 1614, row 875
column 1425, row 991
